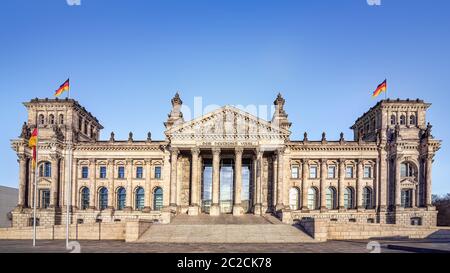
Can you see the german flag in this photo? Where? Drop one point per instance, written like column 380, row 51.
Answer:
column 32, row 143
column 380, row 89
column 64, row 87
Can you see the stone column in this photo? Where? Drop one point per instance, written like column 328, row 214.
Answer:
column 111, row 189
column 54, row 185
column 280, row 180
column 398, row 192
column 275, row 182
column 215, row 208
column 382, row 180
column 341, row 183
column 194, row 208
column 93, row 188
column 429, row 167
column 237, row 208
column 259, row 170
column 376, row 189
column 200, row 179
column 62, row 186
column 173, row 177
column 305, row 174
column 148, row 186
column 22, row 179
column 129, row 186
column 323, row 188
column 359, row 184
column 75, row 189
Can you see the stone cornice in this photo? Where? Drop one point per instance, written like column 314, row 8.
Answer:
column 121, row 146
column 332, row 146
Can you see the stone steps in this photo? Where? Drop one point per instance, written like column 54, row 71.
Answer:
column 218, row 233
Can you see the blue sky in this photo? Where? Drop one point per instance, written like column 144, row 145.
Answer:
column 126, row 59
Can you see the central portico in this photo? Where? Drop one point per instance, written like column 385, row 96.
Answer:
column 225, row 151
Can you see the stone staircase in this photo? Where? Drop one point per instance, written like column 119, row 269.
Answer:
column 224, row 229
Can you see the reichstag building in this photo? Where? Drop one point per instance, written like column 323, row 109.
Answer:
column 227, row 162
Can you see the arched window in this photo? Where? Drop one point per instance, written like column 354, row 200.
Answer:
column 41, row 119
column 412, row 120
column 393, row 120
column 331, row 198
column 402, row 120
column 103, row 198
column 121, row 198
column 158, row 199
column 51, row 119
column 61, row 119
column 294, row 199
column 45, row 169
column 407, row 170
column 348, row 198
column 140, row 198
column 312, row 199
column 85, row 194
column 367, row 198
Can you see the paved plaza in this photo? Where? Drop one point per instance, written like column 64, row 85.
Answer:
column 15, row 246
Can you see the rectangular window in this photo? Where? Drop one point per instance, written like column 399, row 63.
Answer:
column 349, row 172
column 313, row 172
column 332, row 172
column 407, row 198
column 102, row 172
column 121, row 172
column 84, row 172
column 158, row 172
column 295, row 172
column 45, row 199
column 139, row 172
column 367, row 172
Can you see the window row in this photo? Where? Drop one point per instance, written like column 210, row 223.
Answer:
column 332, row 172
column 85, row 127
column 331, row 200
column 403, row 120
column 121, row 196
column 51, row 119
column 139, row 172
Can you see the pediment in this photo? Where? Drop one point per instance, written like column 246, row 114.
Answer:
column 227, row 124
column 408, row 182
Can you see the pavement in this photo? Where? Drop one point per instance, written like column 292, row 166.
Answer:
column 25, row 246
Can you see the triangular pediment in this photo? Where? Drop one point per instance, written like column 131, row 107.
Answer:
column 227, row 123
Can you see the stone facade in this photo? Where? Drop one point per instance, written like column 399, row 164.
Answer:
column 228, row 161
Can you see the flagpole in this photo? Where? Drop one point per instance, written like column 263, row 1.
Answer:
column 69, row 89
column 69, row 186
column 35, row 189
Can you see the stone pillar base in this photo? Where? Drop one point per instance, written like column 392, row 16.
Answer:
column 214, row 210
column 279, row 207
column 286, row 217
column 238, row 210
column 258, row 209
column 147, row 209
column 194, row 211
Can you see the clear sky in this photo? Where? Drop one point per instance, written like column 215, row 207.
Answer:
column 126, row 59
